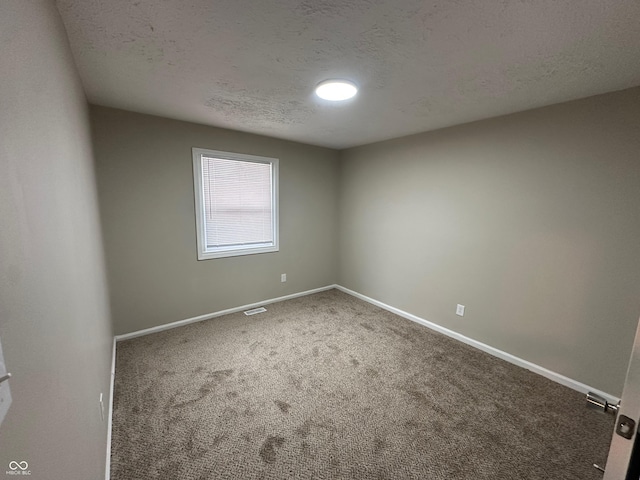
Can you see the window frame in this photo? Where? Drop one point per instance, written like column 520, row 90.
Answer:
column 222, row 252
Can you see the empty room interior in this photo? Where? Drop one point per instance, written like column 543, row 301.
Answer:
column 315, row 239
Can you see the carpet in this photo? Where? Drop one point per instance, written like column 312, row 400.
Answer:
column 330, row 387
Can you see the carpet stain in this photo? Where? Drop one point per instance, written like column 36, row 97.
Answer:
column 438, row 427
column 305, row 429
column 439, row 357
column 419, row 397
column 219, row 375
column 248, row 412
column 217, row 440
column 171, row 470
column 368, row 327
column 283, row 406
column 315, row 351
column 306, row 450
column 413, row 425
column 175, row 419
column 268, row 449
column 194, row 448
column 355, row 362
column 206, row 388
column 405, row 335
column 296, row 382
column 378, row 445
column 186, row 403
column 372, row 372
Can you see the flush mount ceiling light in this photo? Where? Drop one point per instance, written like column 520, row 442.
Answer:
column 336, row 90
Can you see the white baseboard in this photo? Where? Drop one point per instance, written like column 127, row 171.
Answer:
column 207, row 316
column 107, row 472
column 556, row 377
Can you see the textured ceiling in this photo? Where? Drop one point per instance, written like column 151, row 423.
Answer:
column 252, row 65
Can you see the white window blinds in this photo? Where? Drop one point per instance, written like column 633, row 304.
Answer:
column 237, row 202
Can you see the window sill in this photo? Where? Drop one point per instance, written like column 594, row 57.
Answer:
column 236, row 252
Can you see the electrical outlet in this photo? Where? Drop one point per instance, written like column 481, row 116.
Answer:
column 283, row 277
column 101, row 407
column 460, row 310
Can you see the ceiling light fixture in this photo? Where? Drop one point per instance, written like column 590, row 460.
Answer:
column 336, row 90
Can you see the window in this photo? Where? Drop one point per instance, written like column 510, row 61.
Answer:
column 236, row 203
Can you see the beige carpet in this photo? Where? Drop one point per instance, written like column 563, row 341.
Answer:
column 329, row 387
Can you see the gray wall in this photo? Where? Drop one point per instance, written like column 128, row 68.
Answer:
column 530, row 220
column 54, row 319
column 145, row 182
